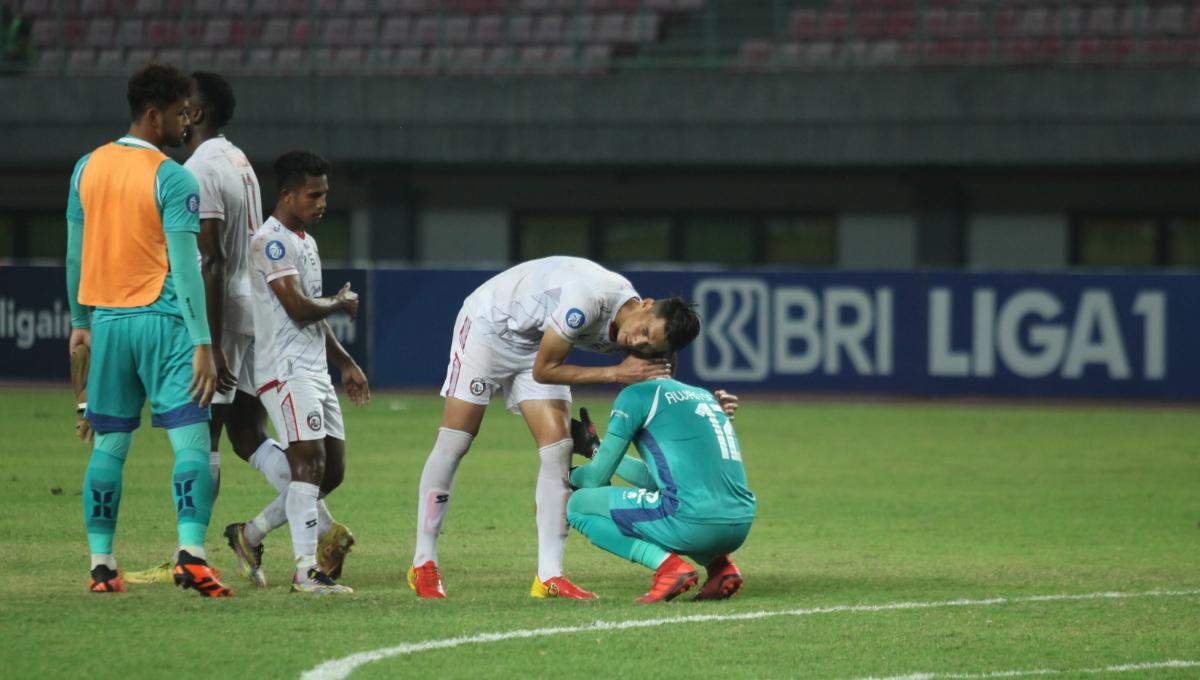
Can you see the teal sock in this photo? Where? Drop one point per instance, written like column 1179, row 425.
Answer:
column 102, row 490
column 587, row 511
column 191, row 482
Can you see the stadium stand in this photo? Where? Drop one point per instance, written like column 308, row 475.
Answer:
column 977, row 32
column 402, row 36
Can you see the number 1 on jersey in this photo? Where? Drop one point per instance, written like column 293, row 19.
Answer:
column 725, row 437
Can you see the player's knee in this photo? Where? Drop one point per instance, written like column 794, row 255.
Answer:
column 453, row 443
column 245, row 443
column 332, row 479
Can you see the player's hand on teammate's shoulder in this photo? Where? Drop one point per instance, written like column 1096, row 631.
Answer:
column 355, row 383
column 348, row 300
column 204, row 375
column 635, row 369
column 728, row 402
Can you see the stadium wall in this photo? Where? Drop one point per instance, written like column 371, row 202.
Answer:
column 1110, row 336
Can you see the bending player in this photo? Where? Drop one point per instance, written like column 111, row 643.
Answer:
column 293, row 340
column 513, row 334
column 137, row 301
column 689, row 494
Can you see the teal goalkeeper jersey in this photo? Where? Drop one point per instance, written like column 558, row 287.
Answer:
column 689, row 448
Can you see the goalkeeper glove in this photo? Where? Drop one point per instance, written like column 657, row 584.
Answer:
column 583, row 435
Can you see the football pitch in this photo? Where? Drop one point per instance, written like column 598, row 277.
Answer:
column 916, row 540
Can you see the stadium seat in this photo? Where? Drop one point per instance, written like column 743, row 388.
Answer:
column 275, row 32
column 498, row 58
column 161, row 33
column 266, row 7
column 1167, row 20
column 209, row 8
column 229, row 57
column 93, row 8
column 260, row 58
column 457, row 30
column 289, row 58
column 425, row 31
column 520, row 29
column 596, row 58
column 326, row 7
column 80, row 59
column 130, row 33
column 362, row 32
column 237, row 8
column 300, row 33
column 755, row 53
column 218, row 31
column 334, row 31
column 644, row 28
column 201, row 57
column 613, row 28
column 581, row 28
column 169, row 55
column 148, row 8
column 135, row 59
column 488, row 29
column 549, row 29
column 99, row 32
column 357, row 7
column 395, row 30
column 110, row 59
column 37, row 8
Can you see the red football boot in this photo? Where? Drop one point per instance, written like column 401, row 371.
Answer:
column 559, row 586
column 426, row 581
column 673, row 578
column 723, row 581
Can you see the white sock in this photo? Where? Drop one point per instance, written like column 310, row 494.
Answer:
column 324, row 519
column 271, row 518
column 106, row 559
column 301, row 506
column 193, row 550
column 437, row 481
column 270, row 460
column 214, row 468
column 551, row 498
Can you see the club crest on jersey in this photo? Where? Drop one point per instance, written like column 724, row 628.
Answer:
column 314, row 421
column 478, row 386
column 193, row 203
column 576, row 318
column 275, row 250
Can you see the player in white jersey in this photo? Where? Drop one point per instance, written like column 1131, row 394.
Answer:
column 513, row 335
column 293, row 341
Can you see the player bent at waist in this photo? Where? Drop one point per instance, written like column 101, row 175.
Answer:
column 689, row 495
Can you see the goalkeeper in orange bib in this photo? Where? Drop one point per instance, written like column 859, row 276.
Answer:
column 137, row 300
column 689, row 494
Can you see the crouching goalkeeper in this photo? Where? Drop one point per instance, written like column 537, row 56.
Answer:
column 689, row 495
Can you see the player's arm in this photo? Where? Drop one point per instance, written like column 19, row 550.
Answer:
column 586, row 442
column 550, row 367
column 353, row 378
column 212, row 252
column 635, row 471
column 303, row 309
column 626, row 419
column 179, row 204
column 81, row 315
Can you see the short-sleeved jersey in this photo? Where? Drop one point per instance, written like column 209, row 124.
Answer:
column 175, row 194
column 578, row 298
column 688, row 445
column 284, row 348
column 229, row 192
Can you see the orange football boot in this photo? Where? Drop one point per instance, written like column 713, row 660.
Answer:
column 723, row 581
column 673, row 578
column 426, row 581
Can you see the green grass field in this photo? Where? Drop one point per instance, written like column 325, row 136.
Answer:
column 858, row 505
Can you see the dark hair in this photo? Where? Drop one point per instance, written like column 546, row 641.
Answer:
column 683, row 324
column 293, row 169
column 156, row 86
column 217, row 96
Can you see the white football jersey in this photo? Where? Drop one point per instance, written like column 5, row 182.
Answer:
column 284, row 348
column 229, row 191
column 576, row 297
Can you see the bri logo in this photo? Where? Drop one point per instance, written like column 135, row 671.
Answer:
column 576, row 318
column 275, row 250
column 193, row 203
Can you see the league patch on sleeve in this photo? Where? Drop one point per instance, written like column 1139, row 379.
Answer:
column 275, row 250
column 193, row 203
column 575, row 318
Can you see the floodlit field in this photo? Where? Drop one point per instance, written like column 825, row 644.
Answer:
column 973, row 512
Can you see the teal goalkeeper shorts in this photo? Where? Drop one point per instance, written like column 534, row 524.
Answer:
column 649, row 515
column 136, row 357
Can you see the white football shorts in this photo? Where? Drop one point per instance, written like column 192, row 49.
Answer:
column 304, row 408
column 481, row 364
column 239, row 355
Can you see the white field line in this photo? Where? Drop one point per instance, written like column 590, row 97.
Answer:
column 1123, row 668
column 341, row 668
